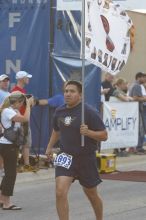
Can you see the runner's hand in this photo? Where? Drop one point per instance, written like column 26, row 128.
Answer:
column 49, row 153
column 84, row 130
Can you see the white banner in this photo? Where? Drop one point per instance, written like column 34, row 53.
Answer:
column 69, row 5
column 107, row 35
column 77, row 4
column 122, row 121
column 131, row 4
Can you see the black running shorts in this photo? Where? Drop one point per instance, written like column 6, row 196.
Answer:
column 83, row 168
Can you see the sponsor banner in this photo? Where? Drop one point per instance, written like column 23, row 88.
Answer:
column 121, row 120
column 107, row 35
column 69, row 5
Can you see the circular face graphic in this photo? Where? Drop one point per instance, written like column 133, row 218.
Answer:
column 105, row 24
column 109, row 44
column 109, row 49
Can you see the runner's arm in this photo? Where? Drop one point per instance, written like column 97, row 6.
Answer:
column 53, row 140
column 96, row 135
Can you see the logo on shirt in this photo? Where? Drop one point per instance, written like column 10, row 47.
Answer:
column 67, row 120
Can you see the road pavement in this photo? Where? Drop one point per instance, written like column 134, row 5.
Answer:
column 123, row 200
column 132, row 162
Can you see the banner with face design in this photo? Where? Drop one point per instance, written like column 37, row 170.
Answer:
column 107, row 35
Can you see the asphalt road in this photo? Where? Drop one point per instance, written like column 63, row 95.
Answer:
column 122, row 200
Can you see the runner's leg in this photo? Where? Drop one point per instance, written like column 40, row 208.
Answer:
column 63, row 184
column 95, row 201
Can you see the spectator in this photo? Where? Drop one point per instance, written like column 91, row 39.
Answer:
column 135, row 91
column 103, row 93
column 143, row 87
column 107, row 84
column 8, row 150
column 56, row 100
column 4, row 86
column 119, row 93
column 22, row 78
column 102, row 99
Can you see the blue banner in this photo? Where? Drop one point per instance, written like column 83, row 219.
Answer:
column 67, row 33
column 24, row 33
column 24, row 37
column 30, row 30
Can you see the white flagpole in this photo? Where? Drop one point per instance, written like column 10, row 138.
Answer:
column 83, row 66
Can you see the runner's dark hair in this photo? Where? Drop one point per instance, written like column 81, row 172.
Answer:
column 78, row 84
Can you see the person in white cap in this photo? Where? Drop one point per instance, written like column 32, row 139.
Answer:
column 22, row 78
column 4, row 86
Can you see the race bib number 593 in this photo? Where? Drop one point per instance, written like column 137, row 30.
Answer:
column 63, row 160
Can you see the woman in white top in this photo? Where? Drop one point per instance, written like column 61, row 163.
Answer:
column 10, row 113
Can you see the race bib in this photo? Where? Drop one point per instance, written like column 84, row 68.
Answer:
column 63, row 160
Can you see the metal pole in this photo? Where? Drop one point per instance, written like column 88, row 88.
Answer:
column 83, row 66
column 52, row 12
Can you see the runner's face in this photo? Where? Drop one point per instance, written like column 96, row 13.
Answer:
column 72, row 96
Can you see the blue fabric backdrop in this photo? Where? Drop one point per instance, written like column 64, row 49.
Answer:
column 46, row 43
column 28, row 24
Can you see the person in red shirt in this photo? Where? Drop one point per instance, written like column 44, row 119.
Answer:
column 22, row 78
